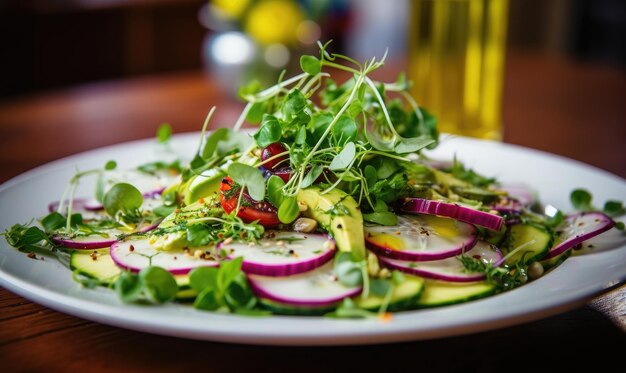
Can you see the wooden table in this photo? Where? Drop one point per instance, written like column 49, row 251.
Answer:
column 576, row 110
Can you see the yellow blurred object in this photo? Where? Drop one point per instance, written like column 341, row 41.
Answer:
column 274, row 22
column 457, row 63
column 231, row 8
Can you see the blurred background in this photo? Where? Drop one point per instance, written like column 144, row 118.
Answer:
column 523, row 71
column 50, row 44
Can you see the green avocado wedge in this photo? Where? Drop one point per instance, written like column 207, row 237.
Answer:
column 339, row 214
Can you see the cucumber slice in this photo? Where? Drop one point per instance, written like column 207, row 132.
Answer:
column 530, row 242
column 440, row 293
column 404, row 296
column 96, row 264
column 287, row 309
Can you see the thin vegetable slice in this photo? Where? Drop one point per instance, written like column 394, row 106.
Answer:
column 137, row 254
column 421, row 238
column 286, row 254
column 317, row 288
column 451, row 210
column 578, row 228
column 450, row 269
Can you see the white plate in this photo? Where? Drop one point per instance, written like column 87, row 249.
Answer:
column 570, row 285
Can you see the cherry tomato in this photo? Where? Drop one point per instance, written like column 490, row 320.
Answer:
column 272, row 150
column 263, row 211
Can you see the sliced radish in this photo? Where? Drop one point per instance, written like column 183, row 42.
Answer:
column 90, row 209
column 578, row 228
column 134, row 255
column 451, row 210
column 421, row 238
column 98, row 241
column 89, row 242
column 315, row 288
column 286, row 254
column 450, row 269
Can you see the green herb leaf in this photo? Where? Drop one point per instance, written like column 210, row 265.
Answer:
column 275, row 192
column 386, row 218
column 164, row 132
column 53, row 221
column 248, row 177
column 288, row 210
column 122, row 197
column 310, row 65
column 211, row 144
column 410, row 145
column 128, row 287
column 207, row 300
column 199, row 235
column 344, row 130
column 379, row 287
column 229, row 270
column 312, row 175
column 371, row 175
column 344, row 158
column 255, row 114
column 581, row 200
column 110, row 165
column 614, row 208
column 348, row 272
column 201, row 278
column 158, row 284
column 270, row 131
column 294, row 104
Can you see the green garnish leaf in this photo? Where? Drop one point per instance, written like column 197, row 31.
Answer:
column 201, row 278
column 344, row 131
column 210, row 146
column 270, row 131
column 256, row 112
column 207, row 300
column 288, row 210
column 379, row 287
column 158, row 284
column 124, row 198
column 614, row 208
column 128, row 287
column 348, row 272
column 228, row 272
column 164, row 133
column 581, row 200
column 199, row 235
column 310, row 65
column 110, row 165
column 248, row 177
column 386, row 218
column 344, row 158
column 275, row 192
column 412, row 144
column 53, row 221
column 312, row 175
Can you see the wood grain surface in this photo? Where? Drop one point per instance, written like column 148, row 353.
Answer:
column 572, row 109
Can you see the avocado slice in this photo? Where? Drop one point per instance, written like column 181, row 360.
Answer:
column 339, row 214
column 203, row 185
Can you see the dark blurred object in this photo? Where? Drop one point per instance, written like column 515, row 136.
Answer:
column 49, row 44
column 591, row 30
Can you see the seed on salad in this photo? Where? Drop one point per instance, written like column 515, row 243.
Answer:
column 535, row 270
column 304, row 225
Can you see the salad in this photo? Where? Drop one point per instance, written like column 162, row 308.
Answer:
column 329, row 207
